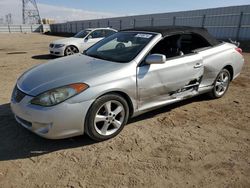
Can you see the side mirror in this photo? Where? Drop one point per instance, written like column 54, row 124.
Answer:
column 87, row 38
column 155, row 59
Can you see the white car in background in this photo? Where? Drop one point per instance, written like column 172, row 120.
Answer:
column 80, row 42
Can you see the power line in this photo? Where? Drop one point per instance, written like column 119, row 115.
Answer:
column 30, row 12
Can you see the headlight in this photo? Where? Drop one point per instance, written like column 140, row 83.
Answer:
column 58, row 95
column 59, row 45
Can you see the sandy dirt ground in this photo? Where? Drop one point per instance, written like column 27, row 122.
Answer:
column 194, row 143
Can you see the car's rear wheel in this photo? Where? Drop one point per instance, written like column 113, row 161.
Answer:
column 221, row 84
column 70, row 50
column 106, row 117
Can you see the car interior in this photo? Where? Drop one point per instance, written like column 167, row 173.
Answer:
column 179, row 45
column 101, row 33
column 123, row 48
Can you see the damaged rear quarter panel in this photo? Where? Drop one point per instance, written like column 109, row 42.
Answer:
column 214, row 59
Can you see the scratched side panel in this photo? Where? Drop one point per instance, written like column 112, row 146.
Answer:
column 157, row 83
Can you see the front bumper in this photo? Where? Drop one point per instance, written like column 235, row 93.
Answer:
column 61, row 121
column 57, row 51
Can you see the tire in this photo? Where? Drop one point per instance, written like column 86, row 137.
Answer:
column 120, row 46
column 221, row 84
column 70, row 50
column 106, row 117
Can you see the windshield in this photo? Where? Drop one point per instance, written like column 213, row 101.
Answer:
column 82, row 34
column 120, row 47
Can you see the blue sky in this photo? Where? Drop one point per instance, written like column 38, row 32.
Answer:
column 68, row 10
column 142, row 6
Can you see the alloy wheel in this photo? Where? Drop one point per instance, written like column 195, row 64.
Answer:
column 109, row 118
column 70, row 50
column 222, row 83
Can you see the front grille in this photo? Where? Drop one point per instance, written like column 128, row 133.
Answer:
column 18, row 95
column 51, row 45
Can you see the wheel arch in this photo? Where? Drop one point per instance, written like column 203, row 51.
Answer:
column 231, row 71
column 125, row 96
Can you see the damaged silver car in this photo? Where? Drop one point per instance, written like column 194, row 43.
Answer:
column 122, row 76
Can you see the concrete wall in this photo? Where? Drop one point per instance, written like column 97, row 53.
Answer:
column 24, row 28
column 226, row 22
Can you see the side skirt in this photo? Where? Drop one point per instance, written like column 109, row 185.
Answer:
column 160, row 104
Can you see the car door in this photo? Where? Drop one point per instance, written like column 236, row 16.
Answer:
column 177, row 78
column 94, row 37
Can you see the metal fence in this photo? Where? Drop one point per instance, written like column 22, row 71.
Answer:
column 227, row 22
column 24, row 28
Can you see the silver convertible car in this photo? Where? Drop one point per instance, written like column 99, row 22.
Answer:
column 122, row 76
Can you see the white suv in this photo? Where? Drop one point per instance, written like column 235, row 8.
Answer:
column 80, row 42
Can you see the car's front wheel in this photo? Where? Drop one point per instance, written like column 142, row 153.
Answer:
column 106, row 117
column 221, row 84
column 70, row 50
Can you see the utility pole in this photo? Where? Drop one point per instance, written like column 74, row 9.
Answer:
column 1, row 21
column 8, row 18
column 30, row 12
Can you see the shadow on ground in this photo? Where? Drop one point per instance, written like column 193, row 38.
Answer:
column 45, row 57
column 18, row 143
column 60, row 34
column 168, row 108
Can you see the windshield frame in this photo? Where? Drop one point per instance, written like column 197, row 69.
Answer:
column 108, row 40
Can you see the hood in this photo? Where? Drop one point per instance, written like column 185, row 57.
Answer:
column 64, row 71
column 67, row 40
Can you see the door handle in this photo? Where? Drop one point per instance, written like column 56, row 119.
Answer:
column 198, row 65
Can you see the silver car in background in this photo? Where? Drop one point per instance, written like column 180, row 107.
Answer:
column 80, row 42
column 122, row 76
